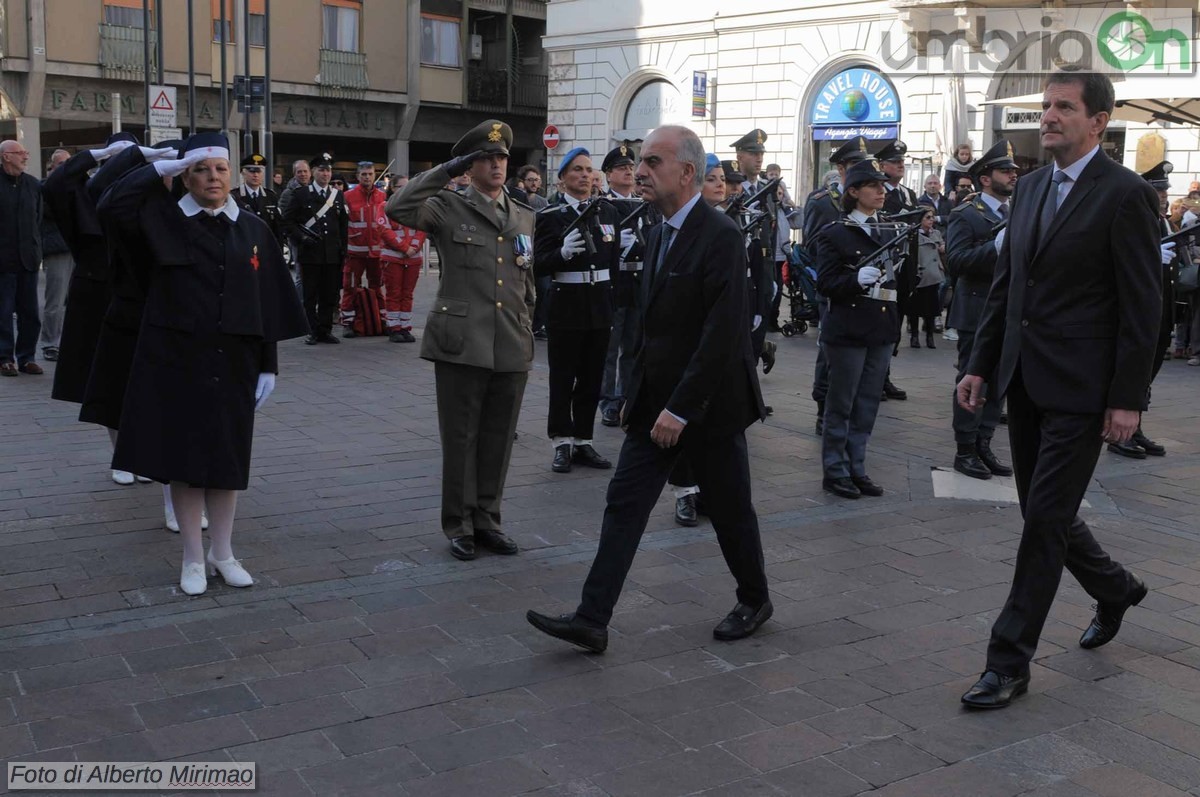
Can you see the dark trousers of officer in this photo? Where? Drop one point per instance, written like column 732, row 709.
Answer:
column 1054, row 454
column 576, row 360
column 856, row 376
column 618, row 363
column 477, row 414
column 722, row 470
column 541, row 308
column 821, row 372
column 321, row 284
column 971, row 427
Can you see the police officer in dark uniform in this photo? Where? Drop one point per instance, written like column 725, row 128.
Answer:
column 618, row 171
column 1138, row 446
column 581, row 308
column 254, row 196
column 821, row 207
column 316, row 219
column 900, row 199
column 972, row 246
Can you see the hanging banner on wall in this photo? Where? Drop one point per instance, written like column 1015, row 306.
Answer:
column 855, row 102
column 699, row 94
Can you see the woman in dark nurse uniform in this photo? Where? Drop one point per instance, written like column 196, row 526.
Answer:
column 219, row 299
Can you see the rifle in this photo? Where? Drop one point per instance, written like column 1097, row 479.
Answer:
column 631, row 220
column 585, row 221
column 1193, row 230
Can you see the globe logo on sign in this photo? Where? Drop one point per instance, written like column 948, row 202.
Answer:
column 855, row 105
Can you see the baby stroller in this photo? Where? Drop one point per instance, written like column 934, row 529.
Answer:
column 800, row 289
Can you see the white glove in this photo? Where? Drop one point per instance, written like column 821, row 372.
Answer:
column 868, row 276
column 1167, row 251
column 266, row 383
column 572, row 244
column 174, row 168
column 110, row 150
column 757, row 323
column 162, row 153
column 628, row 239
column 1000, row 239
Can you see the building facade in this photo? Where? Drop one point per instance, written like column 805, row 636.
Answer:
column 383, row 80
column 810, row 74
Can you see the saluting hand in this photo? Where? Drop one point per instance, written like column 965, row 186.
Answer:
column 457, row 167
column 666, row 430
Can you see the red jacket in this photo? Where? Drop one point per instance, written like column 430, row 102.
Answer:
column 367, row 221
column 398, row 239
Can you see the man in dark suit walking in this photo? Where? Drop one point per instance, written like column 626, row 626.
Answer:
column 693, row 391
column 1069, row 331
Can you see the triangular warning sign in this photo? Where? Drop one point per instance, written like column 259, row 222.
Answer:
column 162, row 103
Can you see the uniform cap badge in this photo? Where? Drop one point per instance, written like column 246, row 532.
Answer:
column 758, row 139
column 494, row 136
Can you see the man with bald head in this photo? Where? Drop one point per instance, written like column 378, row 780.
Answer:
column 20, row 257
column 693, row 391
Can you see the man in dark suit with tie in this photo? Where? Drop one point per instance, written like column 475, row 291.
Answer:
column 1069, row 331
column 693, row 391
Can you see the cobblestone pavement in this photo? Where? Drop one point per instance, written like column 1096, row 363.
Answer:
column 367, row 661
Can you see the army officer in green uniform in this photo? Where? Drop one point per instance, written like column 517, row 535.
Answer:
column 478, row 334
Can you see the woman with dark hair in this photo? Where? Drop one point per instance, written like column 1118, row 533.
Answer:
column 924, row 302
column 858, row 330
column 218, row 300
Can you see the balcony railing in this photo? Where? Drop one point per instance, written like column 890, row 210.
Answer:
column 487, row 91
column 343, row 74
column 122, row 53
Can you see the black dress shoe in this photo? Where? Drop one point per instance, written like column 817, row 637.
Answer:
column 586, row 455
column 819, row 426
column 463, row 548
column 1107, row 621
column 496, row 542
column 893, row 392
column 994, row 690
column 562, row 459
column 743, row 621
column 311, row 340
column 971, row 465
column 685, row 511
column 988, row 457
column 843, row 487
column 768, row 356
column 327, row 337
column 1152, row 448
column 929, row 341
column 866, row 486
column 540, row 334
column 1127, row 449
column 610, row 417
column 570, row 628
column 914, row 342
column 768, row 409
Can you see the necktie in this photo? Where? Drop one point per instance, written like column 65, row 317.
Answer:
column 1004, row 211
column 664, row 244
column 876, row 233
column 1050, row 205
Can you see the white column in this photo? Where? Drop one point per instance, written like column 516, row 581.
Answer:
column 29, row 135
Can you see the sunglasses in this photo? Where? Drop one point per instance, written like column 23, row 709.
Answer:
column 338, row 183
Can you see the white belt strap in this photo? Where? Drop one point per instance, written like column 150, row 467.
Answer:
column 581, row 277
column 329, row 200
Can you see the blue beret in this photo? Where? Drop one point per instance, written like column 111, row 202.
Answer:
column 711, row 162
column 570, row 156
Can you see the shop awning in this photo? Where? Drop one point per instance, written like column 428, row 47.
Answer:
column 1137, row 101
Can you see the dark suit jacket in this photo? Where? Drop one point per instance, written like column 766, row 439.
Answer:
column 900, row 200
column 1080, row 312
column 694, row 358
column 26, row 251
column 970, row 261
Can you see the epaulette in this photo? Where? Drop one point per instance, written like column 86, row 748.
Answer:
column 550, row 209
column 958, row 208
column 518, row 202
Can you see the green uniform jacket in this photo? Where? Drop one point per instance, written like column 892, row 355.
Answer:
column 481, row 316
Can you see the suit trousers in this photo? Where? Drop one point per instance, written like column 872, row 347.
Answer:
column 856, row 376
column 576, row 360
column 777, row 299
column 477, row 415
column 57, row 269
column 820, row 386
column 1054, row 454
column 19, row 294
column 618, row 363
column 722, row 470
column 320, row 283
column 971, row 427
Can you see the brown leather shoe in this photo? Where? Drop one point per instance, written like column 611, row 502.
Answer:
column 8, row 369
column 31, row 368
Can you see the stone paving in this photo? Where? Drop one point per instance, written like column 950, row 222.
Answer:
column 367, row 661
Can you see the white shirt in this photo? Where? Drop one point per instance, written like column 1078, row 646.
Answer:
column 190, row 208
column 863, row 220
column 991, row 202
column 1073, row 171
column 676, row 221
